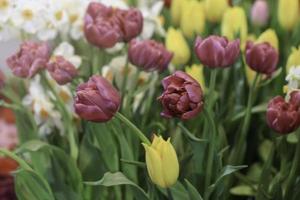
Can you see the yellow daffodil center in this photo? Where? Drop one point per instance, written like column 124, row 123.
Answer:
column 27, row 14
column 3, row 4
column 73, row 18
column 58, row 15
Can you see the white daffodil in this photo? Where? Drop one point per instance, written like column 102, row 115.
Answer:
column 44, row 111
column 66, row 50
column 152, row 19
column 293, row 78
column 6, row 8
column 28, row 16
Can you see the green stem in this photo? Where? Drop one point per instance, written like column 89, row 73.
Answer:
column 212, row 85
column 66, row 116
column 135, row 130
column 125, row 76
column 293, row 173
column 170, row 197
column 95, row 66
column 13, row 156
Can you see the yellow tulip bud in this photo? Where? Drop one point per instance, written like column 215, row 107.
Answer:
column 162, row 163
column 269, row 36
column 293, row 59
column 215, row 9
column 176, row 43
column 288, row 13
column 193, row 18
column 196, row 71
column 234, row 24
column 176, row 10
column 250, row 75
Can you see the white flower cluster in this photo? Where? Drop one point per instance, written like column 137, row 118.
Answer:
column 44, row 19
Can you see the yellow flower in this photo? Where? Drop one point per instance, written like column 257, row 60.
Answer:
column 215, row 9
column 269, row 36
column 288, row 13
column 234, row 24
column 176, row 11
column 196, row 71
column 176, row 43
column 293, row 59
column 162, row 163
column 193, row 18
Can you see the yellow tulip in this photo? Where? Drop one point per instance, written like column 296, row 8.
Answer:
column 193, row 18
column 215, row 9
column 293, row 59
column 162, row 163
column 234, row 24
column 176, row 11
column 288, row 13
column 196, row 71
column 269, row 36
column 176, row 43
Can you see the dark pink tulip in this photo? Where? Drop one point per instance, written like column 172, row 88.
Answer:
column 7, row 191
column 31, row 58
column 131, row 23
column 217, row 52
column 101, row 28
column 2, row 79
column 149, row 55
column 96, row 100
column 61, row 70
column 260, row 13
column 182, row 96
column 262, row 57
column 282, row 116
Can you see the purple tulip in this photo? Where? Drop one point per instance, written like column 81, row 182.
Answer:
column 61, row 70
column 262, row 57
column 30, row 59
column 96, row 100
column 149, row 55
column 217, row 52
column 282, row 116
column 2, row 79
column 260, row 13
column 182, row 96
column 7, row 191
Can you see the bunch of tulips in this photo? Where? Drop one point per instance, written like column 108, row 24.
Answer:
column 224, row 128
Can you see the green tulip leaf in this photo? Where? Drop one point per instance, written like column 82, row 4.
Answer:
column 193, row 193
column 113, row 179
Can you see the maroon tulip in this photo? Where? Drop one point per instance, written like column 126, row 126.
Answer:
column 182, row 96
column 2, row 79
column 216, row 51
column 97, row 100
column 105, row 26
column 149, row 55
column 31, row 58
column 282, row 116
column 101, row 28
column 7, row 191
column 262, row 57
column 61, row 70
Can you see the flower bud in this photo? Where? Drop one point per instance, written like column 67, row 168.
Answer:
column 2, row 79
column 293, row 59
column 262, row 57
column 61, row 70
column 176, row 11
column 29, row 60
column 269, row 36
column 96, row 100
column 260, row 13
column 101, row 28
column 215, row 51
column 131, row 23
column 149, row 55
column 193, row 18
column 234, row 24
column 162, row 162
column 282, row 116
column 176, row 43
column 288, row 13
column 215, row 9
column 182, row 96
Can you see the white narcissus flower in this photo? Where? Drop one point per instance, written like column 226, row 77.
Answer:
column 44, row 111
column 293, row 79
column 6, row 8
column 28, row 16
column 152, row 21
column 66, row 50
